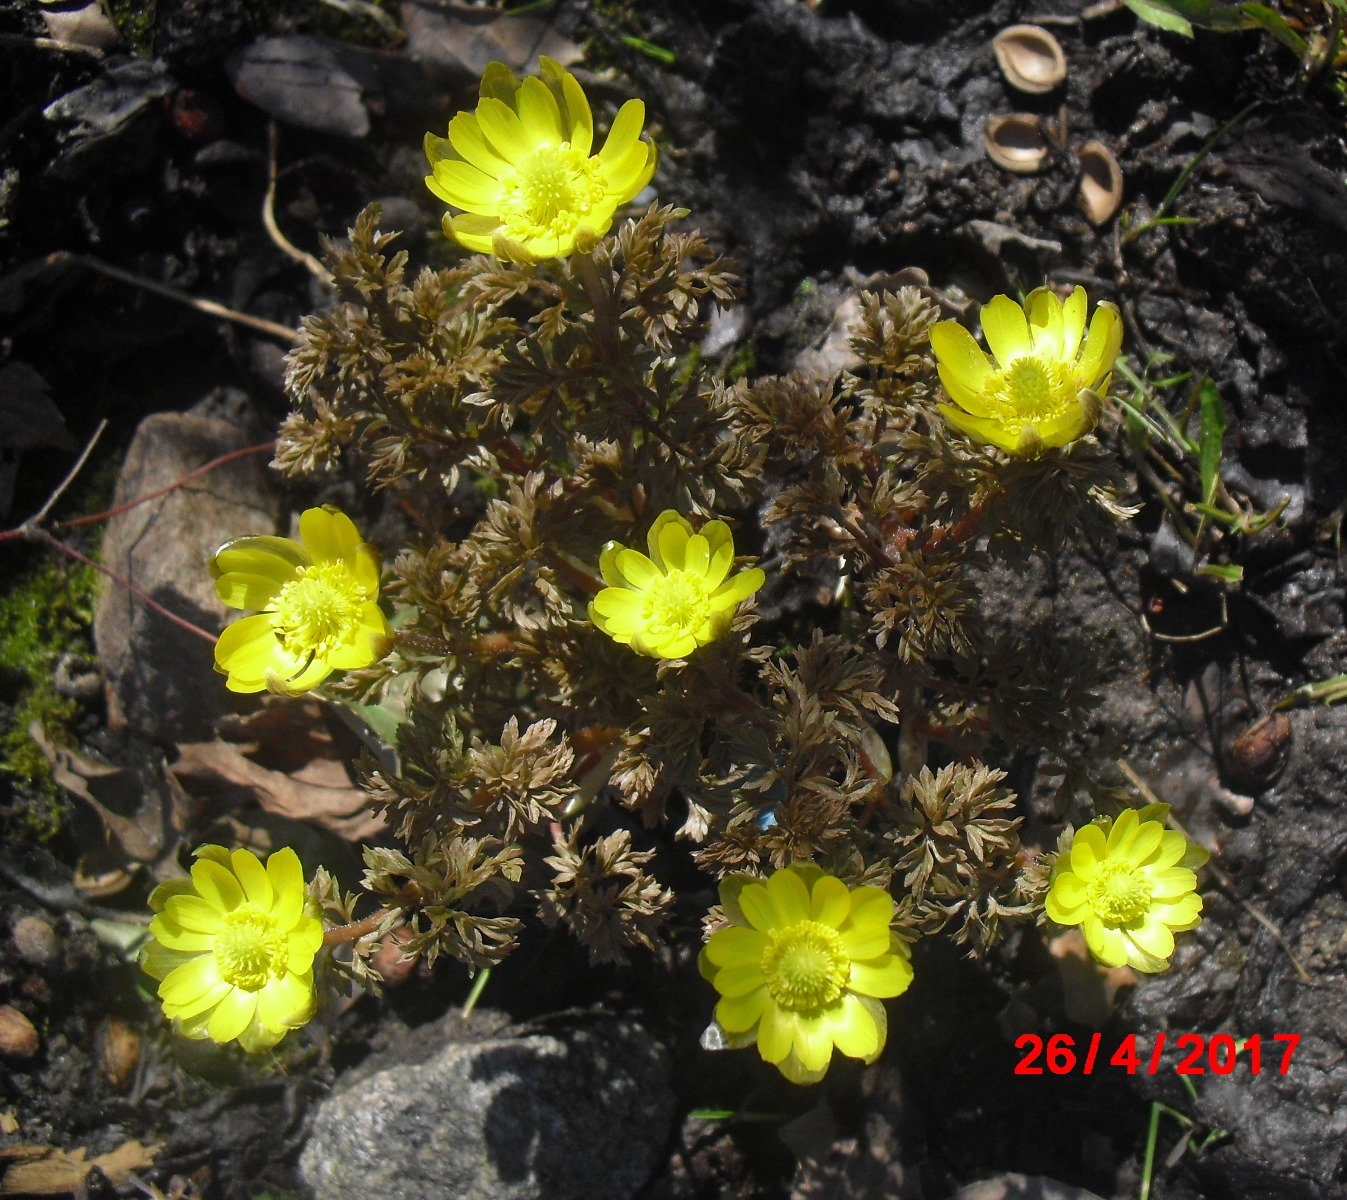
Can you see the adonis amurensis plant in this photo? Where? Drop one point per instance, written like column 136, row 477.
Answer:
column 642, row 605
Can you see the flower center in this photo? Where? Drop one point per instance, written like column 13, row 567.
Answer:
column 1119, row 893
column 806, row 966
column 1032, row 387
column 549, row 193
column 250, row 950
column 677, row 604
column 317, row 612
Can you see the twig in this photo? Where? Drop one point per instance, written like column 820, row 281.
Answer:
column 210, row 307
column 1226, row 884
column 224, row 459
column 41, row 515
column 283, row 243
column 353, row 931
column 36, row 534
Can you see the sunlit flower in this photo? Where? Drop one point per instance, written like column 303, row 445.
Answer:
column 319, row 602
column 233, row 947
column 803, row 967
column 520, row 166
column 677, row 599
column 1131, row 885
column 1044, row 387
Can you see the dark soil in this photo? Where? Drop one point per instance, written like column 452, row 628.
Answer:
column 813, row 144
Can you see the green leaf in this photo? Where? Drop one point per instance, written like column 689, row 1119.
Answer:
column 1213, row 435
column 1160, row 15
column 659, row 53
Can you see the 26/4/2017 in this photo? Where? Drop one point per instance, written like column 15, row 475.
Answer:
column 1218, row 1053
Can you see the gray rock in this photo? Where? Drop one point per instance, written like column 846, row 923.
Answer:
column 574, row 1108
column 304, row 81
column 1022, row 1187
column 160, row 678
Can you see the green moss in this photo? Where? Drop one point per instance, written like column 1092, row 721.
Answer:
column 135, row 22
column 47, row 612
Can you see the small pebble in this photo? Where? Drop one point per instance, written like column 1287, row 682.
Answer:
column 35, row 942
column 1256, row 756
column 18, row 1038
column 118, row 1047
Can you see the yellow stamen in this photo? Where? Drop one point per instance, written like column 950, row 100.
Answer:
column 806, row 966
column 315, row 613
column 250, row 949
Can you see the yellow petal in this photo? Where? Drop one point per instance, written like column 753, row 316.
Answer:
column 758, row 907
column 1170, row 851
column 871, row 907
column 157, row 960
column 1073, row 322
column 1107, row 945
column 624, row 132
column 194, row 914
column 813, row 1041
column 1183, row 913
column 638, row 571
column 464, row 186
column 1154, row 937
column 216, row 885
column 173, row 936
column 1006, row 330
column 830, row 901
column 853, row 1029
column 202, row 1007
column 1122, row 832
column 1046, row 323
column 576, row 114
column 720, row 547
column 866, row 942
column 738, row 1014
column 329, row 536
column 504, row 132
column 368, row 642
column 667, row 539
column 1102, row 345
column 776, row 1032
column 247, row 650
column 737, row 589
column 232, row 1015
column 1066, row 904
column 466, row 137
column 253, row 877
column 1088, row 849
column 287, row 882
column 287, row 1002
column 790, row 897
column 237, row 590
column 735, row 946
column 697, row 557
column 993, row 431
column 883, row 977
column 189, row 982
column 1145, row 841
column 473, row 232
column 538, row 112
column 740, row 980
column 963, row 367
column 305, row 940
column 275, row 558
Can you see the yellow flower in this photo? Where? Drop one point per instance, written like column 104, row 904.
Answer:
column 677, row 599
column 1131, row 885
column 1045, row 385
column 233, row 947
column 319, row 602
column 521, row 171
column 803, row 968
